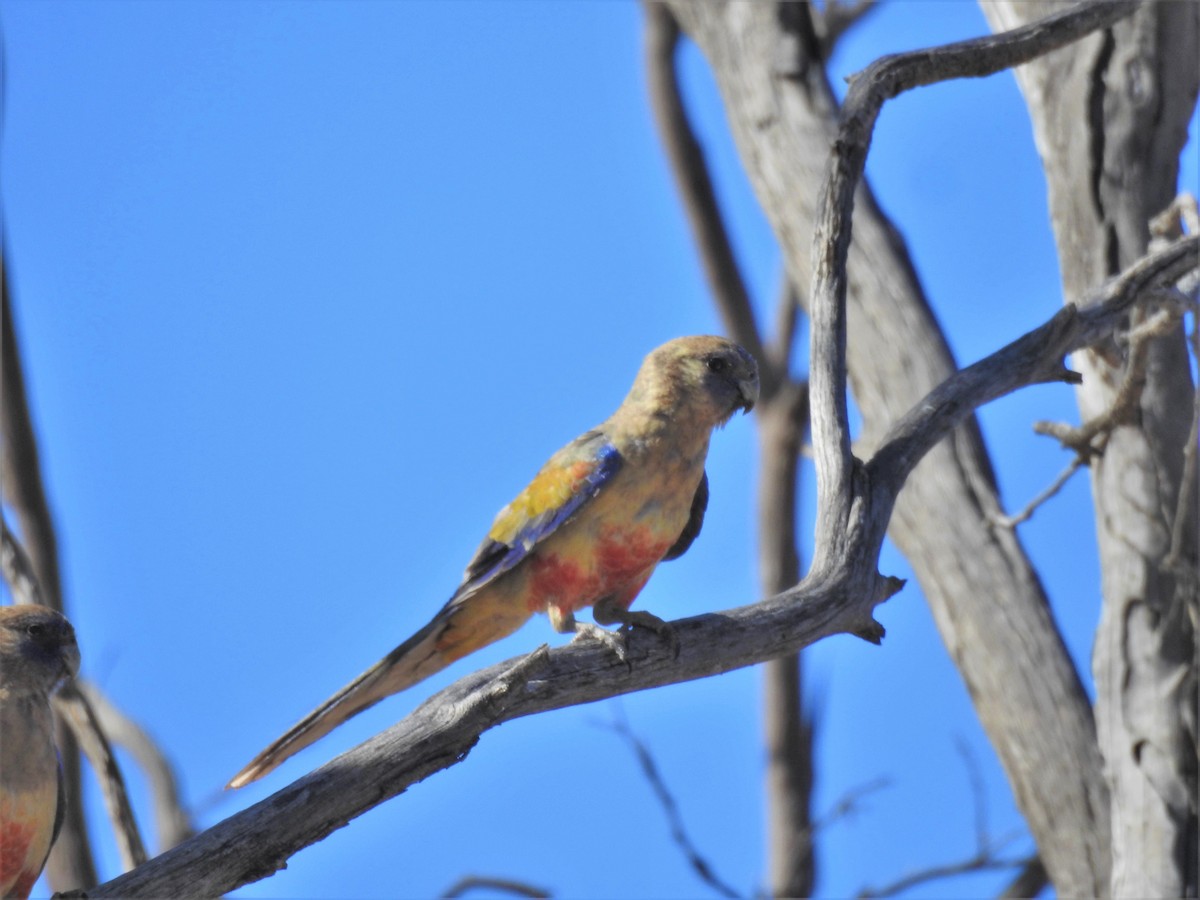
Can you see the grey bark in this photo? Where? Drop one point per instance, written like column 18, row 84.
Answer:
column 1110, row 118
column 1026, row 691
column 783, row 419
column 257, row 841
column 787, row 721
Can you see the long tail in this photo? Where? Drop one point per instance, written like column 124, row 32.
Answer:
column 414, row 660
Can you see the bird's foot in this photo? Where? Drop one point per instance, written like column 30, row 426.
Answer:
column 611, row 614
column 615, row 640
column 664, row 630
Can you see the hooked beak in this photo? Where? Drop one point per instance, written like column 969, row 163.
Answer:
column 748, row 388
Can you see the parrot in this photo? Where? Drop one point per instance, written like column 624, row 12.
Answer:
column 37, row 652
column 587, row 531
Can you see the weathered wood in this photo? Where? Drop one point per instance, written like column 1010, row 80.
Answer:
column 257, row 841
column 1025, row 688
column 1110, row 117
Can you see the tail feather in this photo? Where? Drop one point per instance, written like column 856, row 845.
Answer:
column 413, row 661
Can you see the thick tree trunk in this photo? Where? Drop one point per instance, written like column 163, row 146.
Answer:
column 1110, row 117
column 1028, row 695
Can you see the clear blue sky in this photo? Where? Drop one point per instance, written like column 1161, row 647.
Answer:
column 307, row 291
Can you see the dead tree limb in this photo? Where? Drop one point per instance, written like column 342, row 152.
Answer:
column 441, row 732
column 1110, row 120
column 1026, row 690
column 783, row 421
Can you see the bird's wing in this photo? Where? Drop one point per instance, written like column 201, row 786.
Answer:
column 694, row 523
column 572, row 477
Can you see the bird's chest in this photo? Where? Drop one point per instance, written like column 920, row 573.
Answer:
column 26, row 827
column 617, row 539
column 28, row 793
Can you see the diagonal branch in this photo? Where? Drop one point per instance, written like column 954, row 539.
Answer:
column 783, row 420
column 441, row 732
column 701, row 866
column 1022, row 681
column 495, row 885
column 172, row 822
column 71, row 703
column 869, row 90
column 1037, row 356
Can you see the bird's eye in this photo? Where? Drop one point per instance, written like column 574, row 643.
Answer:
column 717, row 364
column 35, row 629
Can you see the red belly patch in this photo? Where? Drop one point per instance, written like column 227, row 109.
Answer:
column 618, row 561
column 15, row 838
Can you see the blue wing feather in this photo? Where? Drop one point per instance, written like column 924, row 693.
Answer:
column 493, row 558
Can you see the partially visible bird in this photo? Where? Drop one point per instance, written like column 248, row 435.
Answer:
column 37, row 651
column 587, row 531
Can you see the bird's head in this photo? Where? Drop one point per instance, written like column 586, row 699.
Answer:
column 706, row 377
column 37, row 649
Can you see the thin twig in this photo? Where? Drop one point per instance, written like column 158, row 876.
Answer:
column 1082, row 439
column 17, row 568
column 102, row 723
column 172, row 822
column 505, row 885
column 75, row 707
column 937, row 873
column 679, row 834
column 1055, row 486
column 848, row 804
column 1071, row 329
column 1029, row 882
column 986, row 846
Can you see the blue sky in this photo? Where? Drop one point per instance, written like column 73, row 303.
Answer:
column 307, row 291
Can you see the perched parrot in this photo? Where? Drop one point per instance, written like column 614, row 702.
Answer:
column 587, row 531
column 37, row 651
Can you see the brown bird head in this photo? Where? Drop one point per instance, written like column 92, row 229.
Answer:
column 37, row 649
column 704, row 378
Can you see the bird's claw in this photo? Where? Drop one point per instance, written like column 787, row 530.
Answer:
column 663, row 629
column 616, row 641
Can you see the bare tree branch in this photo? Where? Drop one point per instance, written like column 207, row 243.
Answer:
column 1030, row 881
column 440, row 733
column 74, row 706
column 1123, row 406
column 787, row 725
column 1110, row 123
column 783, row 416
column 172, row 822
column 700, row 865
column 937, row 873
column 1054, row 487
column 1015, row 665
column 504, row 885
column 96, row 722
column 869, row 90
column 17, row 568
column 1042, row 351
